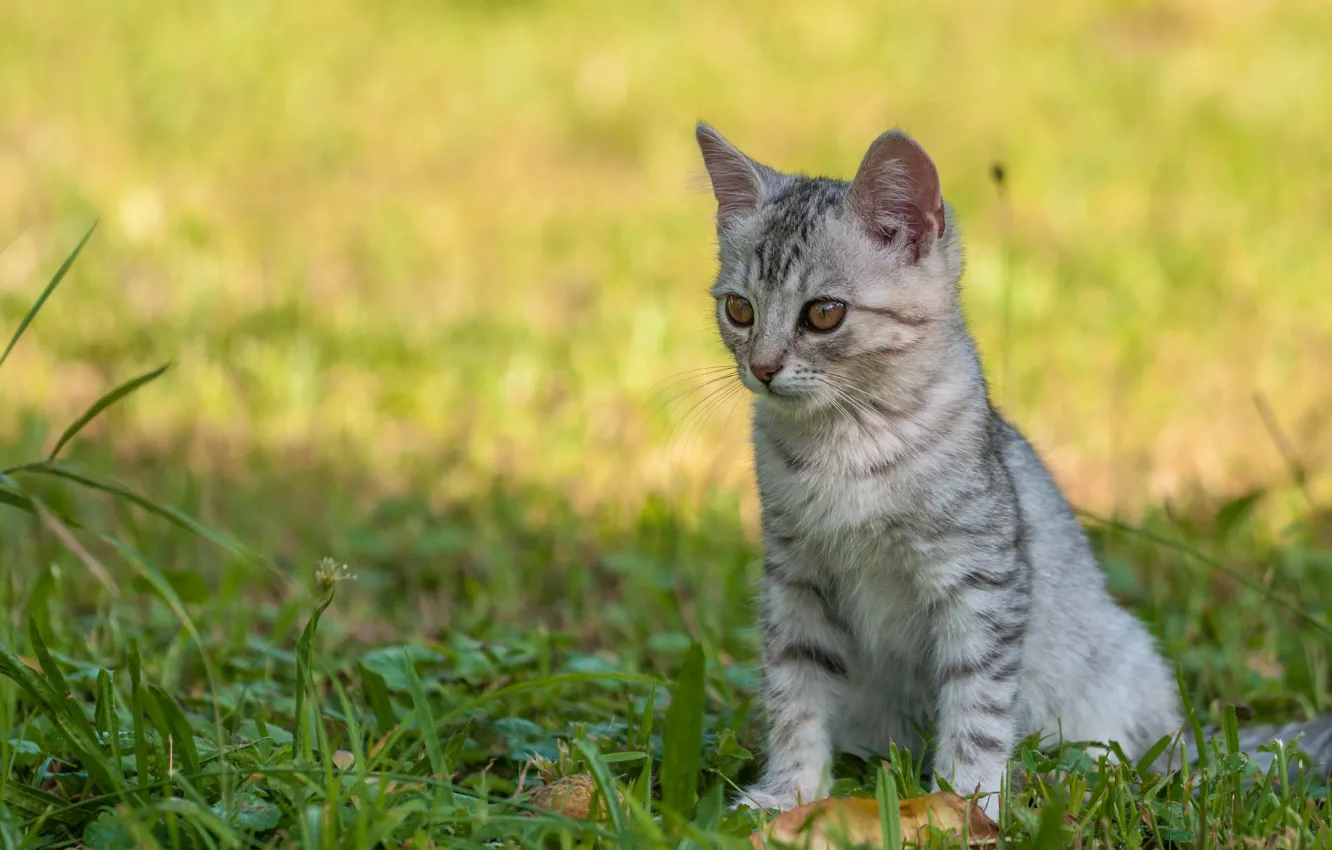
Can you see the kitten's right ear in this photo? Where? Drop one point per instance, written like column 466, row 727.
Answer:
column 896, row 192
column 736, row 180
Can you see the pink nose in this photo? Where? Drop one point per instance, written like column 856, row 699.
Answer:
column 765, row 373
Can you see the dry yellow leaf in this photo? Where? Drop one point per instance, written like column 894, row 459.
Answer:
column 855, row 820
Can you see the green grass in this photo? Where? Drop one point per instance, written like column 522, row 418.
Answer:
column 468, row 231
column 430, row 279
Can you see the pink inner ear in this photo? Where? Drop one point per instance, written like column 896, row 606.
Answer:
column 735, row 182
column 897, row 189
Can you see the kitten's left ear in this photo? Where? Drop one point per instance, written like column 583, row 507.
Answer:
column 896, row 195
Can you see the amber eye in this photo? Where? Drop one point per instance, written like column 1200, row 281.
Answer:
column 739, row 310
column 824, row 315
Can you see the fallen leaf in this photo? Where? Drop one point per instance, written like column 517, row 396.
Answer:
column 825, row 824
column 342, row 759
column 570, row 796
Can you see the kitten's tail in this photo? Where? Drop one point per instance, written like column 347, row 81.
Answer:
column 1312, row 737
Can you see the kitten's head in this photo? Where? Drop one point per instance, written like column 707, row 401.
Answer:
column 825, row 287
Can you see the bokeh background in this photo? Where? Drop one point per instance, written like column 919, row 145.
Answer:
column 449, row 247
column 432, row 278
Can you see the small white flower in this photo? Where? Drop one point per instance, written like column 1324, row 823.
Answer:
column 329, row 573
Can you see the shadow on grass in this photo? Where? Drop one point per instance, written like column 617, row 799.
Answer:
column 508, row 553
column 514, row 555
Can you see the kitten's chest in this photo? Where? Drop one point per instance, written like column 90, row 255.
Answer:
column 855, row 537
column 832, row 504
column 861, row 537
column 873, row 581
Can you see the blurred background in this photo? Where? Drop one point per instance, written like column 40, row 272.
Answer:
column 432, row 280
column 461, row 249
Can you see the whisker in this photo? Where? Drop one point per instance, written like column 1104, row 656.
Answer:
column 666, row 384
column 697, row 405
column 888, row 418
column 687, row 373
column 882, row 406
column 691, row 424
column 842, row 393
column 729, row 413
column 700, row 413
column 739, row 391
column 665, row 405
column 857, row 407
column 893, row 424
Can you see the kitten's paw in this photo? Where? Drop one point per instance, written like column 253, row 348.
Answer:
column 756, row 797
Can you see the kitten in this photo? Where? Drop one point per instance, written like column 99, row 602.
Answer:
column 921, row 565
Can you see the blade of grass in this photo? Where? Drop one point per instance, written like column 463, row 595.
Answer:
column 102, row 404
column 1199, row 739
column 165, row 591
column 377, row 695
column 682, row 737
column 57, row 527
column 890, row 814
column 425, row 722
column 54, row 676
column 1230, row 723
column 1200, row 744
column 16, row 499
column 325, row 745
column 711, row 807
column 355, row 738
column 1050, row 831
column 1153, row 753
column 46, row 293
column 70, row 472
column 645, row 724
column 34, row 803
column 136, row 707
column 596, row 765
column 166, row 751
column 108, row 720
column 642, row 787
column 12, row 494
column 179, row 727
column 304, row 655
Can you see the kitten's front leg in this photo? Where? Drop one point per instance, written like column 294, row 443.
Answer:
column 805, row 655
column 978, row 653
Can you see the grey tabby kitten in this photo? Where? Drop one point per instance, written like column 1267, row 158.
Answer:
column 921, row 565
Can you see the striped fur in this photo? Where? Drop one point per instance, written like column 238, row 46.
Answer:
column 922, row 568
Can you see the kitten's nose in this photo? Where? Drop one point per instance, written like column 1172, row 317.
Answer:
column 765, row 373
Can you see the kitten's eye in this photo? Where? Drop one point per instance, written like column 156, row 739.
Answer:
column 824, row 315
column 739, row 310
